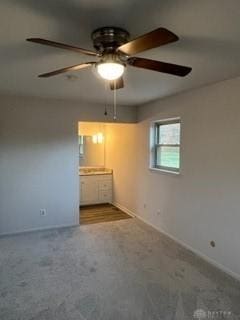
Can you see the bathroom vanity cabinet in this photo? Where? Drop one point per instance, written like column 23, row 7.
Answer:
column 95, row 189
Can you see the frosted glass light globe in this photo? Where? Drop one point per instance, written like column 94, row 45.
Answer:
column 110, row 70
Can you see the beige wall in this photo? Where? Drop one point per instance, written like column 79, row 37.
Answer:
column 121, row 156
column 90, row 128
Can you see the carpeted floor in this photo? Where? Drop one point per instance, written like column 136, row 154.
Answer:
column 121, row 270
column 101, row 213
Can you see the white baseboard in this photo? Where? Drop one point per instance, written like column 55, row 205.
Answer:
column 195, row 251
column 37, row 229
column 119, row 206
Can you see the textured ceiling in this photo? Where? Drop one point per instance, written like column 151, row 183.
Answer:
column 209, row 32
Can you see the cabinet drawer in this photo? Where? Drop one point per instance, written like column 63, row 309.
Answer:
column 105, row 184
column 105, row 196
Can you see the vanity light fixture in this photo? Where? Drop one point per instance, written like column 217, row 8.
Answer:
column 97, row 138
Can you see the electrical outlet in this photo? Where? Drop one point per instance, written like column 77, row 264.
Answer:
column 43, row 212
column 158, row 212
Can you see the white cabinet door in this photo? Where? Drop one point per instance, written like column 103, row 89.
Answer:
column 89, row 191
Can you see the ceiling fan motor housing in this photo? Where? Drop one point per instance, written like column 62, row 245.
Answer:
column 108, row 39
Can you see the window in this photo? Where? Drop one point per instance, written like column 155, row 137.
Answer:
column 166, row 145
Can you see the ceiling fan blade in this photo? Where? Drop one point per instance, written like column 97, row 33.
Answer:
column 119, row 84
column 148, row 41
column 62, row 46
column 72, row 68
column 159, row 66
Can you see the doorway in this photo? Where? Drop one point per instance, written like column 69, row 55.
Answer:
column 96, row 180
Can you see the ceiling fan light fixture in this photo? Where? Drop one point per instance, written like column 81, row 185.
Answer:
column 110, row 70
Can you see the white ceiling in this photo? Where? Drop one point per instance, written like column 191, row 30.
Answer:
column 209, row 32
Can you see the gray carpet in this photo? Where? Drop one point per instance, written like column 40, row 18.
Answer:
column 108, row 271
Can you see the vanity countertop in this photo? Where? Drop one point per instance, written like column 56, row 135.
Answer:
column 94, row 171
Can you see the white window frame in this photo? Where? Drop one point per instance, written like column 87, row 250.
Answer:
column 154, row 145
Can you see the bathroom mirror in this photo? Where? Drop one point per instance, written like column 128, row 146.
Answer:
column 91, row 151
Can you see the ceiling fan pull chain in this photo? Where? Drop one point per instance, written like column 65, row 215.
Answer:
column 105, row 109
column 115, row 101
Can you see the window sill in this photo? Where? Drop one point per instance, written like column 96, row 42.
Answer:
column 177, row 173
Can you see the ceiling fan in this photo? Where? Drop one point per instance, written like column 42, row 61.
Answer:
column 115, row 52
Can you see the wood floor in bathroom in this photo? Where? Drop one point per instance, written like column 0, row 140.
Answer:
column 101, row 213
